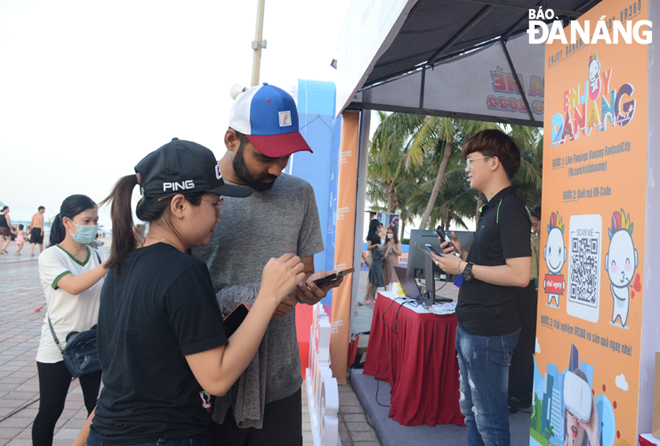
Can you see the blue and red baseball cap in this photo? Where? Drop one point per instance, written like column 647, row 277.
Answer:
column 268, row 116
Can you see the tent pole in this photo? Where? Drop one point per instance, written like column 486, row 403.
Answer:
column 515, row 76
column 360, row 198
column 421, row 88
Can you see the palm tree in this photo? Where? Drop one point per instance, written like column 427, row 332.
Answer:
column 393, row 172
column 388, row 159
column 416, row 167
column 451, row 131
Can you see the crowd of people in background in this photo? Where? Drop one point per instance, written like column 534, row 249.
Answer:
column 17, row 232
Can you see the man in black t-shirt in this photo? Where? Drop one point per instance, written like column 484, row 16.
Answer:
column 498, row 263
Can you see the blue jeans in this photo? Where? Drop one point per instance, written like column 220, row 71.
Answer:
column 484, row 383
column 189, row 441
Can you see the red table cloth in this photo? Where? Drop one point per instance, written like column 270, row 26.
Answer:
column 423, row 372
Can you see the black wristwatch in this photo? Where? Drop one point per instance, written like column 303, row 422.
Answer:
column 467, row 272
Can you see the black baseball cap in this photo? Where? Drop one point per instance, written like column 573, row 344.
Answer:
column 183, row 167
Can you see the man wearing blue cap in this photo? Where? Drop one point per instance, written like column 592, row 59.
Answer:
column 264, row 408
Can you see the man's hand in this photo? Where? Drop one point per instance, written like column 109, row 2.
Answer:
column 449, row 263
column 452, row 246
column 309, row 293
column 285, row 307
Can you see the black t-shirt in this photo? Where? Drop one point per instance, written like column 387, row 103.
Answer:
column 485, row 309
column 161, row 308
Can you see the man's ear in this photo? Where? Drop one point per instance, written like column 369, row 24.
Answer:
column 231, row 140
column 494, row 162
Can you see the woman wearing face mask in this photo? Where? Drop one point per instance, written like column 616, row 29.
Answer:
column 393, row 250
column 71, row 274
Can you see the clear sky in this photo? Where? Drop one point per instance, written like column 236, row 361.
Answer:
column 87, row 88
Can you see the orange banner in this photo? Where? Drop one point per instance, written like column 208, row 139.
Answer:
column 344, row 242
column 589, row 322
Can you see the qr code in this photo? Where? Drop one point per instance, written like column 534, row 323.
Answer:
column 583, row 275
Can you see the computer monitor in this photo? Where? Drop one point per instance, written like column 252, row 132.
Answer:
column 416, row 258
column 423, row 236
column 420, row 263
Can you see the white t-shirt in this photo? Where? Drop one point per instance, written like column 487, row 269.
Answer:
column 67, row 312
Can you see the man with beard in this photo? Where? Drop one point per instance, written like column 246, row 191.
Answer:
column 264, row 407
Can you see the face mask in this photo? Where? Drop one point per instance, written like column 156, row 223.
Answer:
column 85, row 234
column 390, row 235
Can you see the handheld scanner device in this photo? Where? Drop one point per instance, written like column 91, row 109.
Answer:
column 443, row 236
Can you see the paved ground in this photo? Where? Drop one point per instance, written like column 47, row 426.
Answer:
column 20, row 329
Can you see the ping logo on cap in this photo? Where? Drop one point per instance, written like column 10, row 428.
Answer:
column 285, row 118
column 175, row 186
column 218, row 173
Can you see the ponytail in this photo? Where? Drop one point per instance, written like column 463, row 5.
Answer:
column 123, row 237
column 71, row 206
column 124, row 240
column 57, row 231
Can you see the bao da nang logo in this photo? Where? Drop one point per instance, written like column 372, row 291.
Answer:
column 606, row 29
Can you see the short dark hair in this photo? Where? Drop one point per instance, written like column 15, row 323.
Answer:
column 495, row 143
column 40, row 208
column 536, row 212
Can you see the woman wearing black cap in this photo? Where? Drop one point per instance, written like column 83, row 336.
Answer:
column 161, row 339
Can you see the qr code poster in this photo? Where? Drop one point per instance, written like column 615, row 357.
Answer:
column 584, row 266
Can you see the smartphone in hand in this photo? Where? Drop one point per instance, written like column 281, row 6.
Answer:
column 443, row 238
column 333, row 277
column 431, row 248
column 235, row 318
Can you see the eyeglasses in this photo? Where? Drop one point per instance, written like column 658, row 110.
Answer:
column 216, row 203
column 472, row 160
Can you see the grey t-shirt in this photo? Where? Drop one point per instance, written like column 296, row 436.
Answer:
column 266, row 224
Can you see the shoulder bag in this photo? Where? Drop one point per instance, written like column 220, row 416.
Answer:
column 81, row 354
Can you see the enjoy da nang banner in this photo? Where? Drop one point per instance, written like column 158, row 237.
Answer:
column 586, row 380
